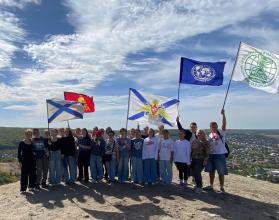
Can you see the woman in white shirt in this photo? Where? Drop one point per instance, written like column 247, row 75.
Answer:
column 182, row 157
column 148, row 155
column 165, row 157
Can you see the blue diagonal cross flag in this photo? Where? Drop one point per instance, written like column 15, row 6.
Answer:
column 201, row 73
column 61, row 110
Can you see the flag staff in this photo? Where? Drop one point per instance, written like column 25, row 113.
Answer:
column 231, row 76
column 128, row 108
column 68, row 124
column 178, row 93
column 47, row 117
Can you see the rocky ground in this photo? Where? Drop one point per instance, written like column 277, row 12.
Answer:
column 245, row 198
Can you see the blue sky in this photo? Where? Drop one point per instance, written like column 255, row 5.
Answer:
column 102, row 48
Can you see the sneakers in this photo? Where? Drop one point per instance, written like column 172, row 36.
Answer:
column 208, row 188
column 222, row 190
column 198, row 190
column 44, row 185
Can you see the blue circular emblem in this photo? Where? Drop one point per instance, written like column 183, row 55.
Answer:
column 203, row 73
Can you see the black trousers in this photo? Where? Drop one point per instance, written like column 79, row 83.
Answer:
column 28, row 175
column 83, row 164
column 183, row 170
column 197, row 167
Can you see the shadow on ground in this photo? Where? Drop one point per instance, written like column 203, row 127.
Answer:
column 147, row 201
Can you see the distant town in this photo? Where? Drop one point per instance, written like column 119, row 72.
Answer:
column 254, row 153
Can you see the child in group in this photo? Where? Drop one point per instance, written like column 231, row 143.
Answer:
column 182, row 157
column 97, row 152
column 136, row 158
column 148, row 155
column 55, row 158
column 68, row 151
column 111, row 156
column 27, row 161
column 165, row 157
column 124, row 144
column 42, row 158
column 84, row 148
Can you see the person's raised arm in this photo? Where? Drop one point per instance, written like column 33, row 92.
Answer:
column 178, row 123
column 224, row 120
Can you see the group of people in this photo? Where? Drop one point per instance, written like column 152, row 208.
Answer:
column 66, row 155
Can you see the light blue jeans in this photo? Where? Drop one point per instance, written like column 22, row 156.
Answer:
column 111, row 166
column 55, row 167
column 123, row 166
column 69, row 169
column 96, row 167
column 137, row 169
column 149, row 169
column 166, row 171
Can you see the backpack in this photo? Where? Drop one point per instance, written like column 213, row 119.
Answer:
column 226, row 145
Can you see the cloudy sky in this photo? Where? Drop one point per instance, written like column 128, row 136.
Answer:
column 101, row 48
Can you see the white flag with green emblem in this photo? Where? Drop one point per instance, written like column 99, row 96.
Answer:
column 258, row 68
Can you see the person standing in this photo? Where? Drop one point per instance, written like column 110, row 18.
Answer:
column 97, row 152
column 145, row 132
column 124, row 144
column 55, row 158
column 84, row 148
column 182, row 157
column 136, row 158
column 148, row 155
column 27, row 160
column 217, row 158
column 165, row 157
column 68, row 151
column 42, row 158
column 200, row 153
column 111, row 155
column 191, row 134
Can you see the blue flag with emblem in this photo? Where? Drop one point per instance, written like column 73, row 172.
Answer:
column 61, row 110
column 201, row 73
column 148, row 108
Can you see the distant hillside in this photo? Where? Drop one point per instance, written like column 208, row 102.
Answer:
column 9, row 137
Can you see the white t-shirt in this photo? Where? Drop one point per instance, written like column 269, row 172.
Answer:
column 182, row 151
column 149, row 148
column 165, row 147
column 216, row 144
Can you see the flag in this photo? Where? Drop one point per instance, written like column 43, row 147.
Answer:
column 201, row 73
column 144, row 107
column 88, row 103
column 258, row 68
column 61, row 110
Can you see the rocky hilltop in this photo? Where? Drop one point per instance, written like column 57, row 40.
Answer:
column 245, row 198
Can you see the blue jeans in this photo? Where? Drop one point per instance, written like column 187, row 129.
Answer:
column 55, row 167
column 149, row 169
column 217, row 162
column 166, row 171
column 96, row 167
column 123, row 166
column 137, row 169
column 111, row 167
column 69, row 169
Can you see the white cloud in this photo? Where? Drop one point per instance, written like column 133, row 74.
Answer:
column 106, row 33
column 11, row 31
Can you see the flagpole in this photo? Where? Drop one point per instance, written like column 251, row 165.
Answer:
column 231, row 76
column 178, row 93
column 68, row 124
column 128, row 108
column 47, row 116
